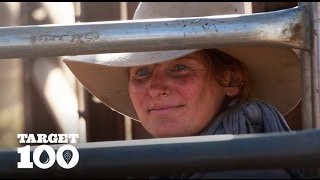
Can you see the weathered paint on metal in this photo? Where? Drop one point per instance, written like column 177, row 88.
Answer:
column 283, row 28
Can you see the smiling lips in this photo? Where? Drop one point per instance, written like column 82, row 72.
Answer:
column 161, row 110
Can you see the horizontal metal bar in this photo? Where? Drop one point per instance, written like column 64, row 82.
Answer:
column 284, row 28
column 299, row 149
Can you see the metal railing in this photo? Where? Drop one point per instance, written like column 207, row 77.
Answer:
column 288, row 29
column 295, row 28
column 165, row 156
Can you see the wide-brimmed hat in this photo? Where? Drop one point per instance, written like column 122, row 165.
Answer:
column 274, row 72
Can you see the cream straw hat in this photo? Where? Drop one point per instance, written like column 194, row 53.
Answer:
column 274, row 72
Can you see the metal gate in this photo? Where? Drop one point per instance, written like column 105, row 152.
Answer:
column 296, row 28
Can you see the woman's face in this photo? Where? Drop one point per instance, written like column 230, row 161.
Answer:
column 175, row 98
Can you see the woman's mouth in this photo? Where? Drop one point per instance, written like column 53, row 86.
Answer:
column 162, row 110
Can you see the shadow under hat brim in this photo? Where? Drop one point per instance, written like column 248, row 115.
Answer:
column 274, row 74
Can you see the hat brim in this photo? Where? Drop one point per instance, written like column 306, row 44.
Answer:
column 274, row 74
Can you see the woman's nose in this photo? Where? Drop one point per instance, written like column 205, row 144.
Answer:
column 158, row 85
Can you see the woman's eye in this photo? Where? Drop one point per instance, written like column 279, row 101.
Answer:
column 143, row 73
column 180, row 67
column 179, row 70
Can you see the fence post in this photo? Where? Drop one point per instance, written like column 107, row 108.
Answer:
column 310, row 62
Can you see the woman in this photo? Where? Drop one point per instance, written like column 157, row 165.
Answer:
column 169, row 96
column 199, row 91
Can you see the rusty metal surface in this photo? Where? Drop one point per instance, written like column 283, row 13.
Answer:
column 284, row 28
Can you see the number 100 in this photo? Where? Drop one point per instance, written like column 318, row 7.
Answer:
column 52, row 156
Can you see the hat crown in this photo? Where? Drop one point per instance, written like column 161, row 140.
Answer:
column 152, row 10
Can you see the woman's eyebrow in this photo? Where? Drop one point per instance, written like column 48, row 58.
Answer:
column 186, row 59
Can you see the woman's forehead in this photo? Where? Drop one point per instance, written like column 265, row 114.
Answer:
column 198, row 57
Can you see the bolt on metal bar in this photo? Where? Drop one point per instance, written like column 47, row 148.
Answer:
column 176, row 155
column 283, row 28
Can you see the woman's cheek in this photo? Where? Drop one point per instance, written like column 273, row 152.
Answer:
column 137, row 94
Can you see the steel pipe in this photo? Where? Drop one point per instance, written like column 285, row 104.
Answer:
column 285, row 28
column 310, row 68
column 315, row 63
column 299, row 149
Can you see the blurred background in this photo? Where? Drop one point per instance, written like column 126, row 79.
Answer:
column 40, row 95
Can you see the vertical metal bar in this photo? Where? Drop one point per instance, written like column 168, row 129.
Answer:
column 316, row 64
column 311, row 62
column 81, row 93
column 306, row 73
column 127, row 120
column 310, row 74
column 26, row 68
column 306, row 90
column 315, row 73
